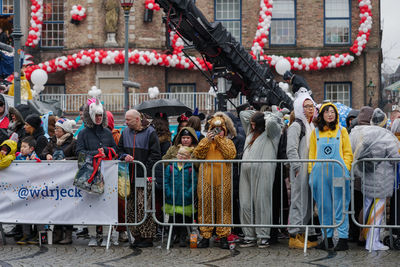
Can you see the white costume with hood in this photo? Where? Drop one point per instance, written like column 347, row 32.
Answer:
column 301, row 203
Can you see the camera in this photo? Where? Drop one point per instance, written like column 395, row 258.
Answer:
column 216, row 130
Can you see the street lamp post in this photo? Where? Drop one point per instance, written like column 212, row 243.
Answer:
column 17, row 34
column 126, row 6
column 371, row 91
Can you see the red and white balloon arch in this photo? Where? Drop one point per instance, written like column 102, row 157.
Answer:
column 177, row 60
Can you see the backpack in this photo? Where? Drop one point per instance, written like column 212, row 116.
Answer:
column 283, row 140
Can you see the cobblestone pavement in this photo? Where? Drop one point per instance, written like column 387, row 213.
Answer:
column 79, row 254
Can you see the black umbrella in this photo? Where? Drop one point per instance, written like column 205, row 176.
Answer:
column 172, row 107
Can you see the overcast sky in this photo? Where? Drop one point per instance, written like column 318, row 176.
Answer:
column 390, row 23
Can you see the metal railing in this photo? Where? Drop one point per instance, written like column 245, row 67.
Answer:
column 173, row 190
column 115, row 102
column 378, row 179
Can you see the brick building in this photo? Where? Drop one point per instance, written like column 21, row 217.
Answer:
column 306, row 28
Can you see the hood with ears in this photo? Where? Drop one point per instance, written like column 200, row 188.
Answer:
column 220, row 119
column 89, row 122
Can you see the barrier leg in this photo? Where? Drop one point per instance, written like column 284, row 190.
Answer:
column 305, row 240
column 325, row 238
column 109, row 237
column 169, row 236
column 391, row 237
column 3, row 236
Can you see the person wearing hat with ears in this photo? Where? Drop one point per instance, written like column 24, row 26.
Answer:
column 93, row 138
column 33, row 127
column 215, row 179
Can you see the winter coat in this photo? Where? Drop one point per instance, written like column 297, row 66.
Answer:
column 345, row 147
column 93, row 136
column 68, row 148
column 6, row 160
column 146, row 148
column 17, row 127
column 375, row 142
column 178, row 183
column 165, row 143
column 4, row 121
column 41, row 141
column 173, row 150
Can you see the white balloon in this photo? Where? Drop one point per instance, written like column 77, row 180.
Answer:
column 282, row 66
column 39, row 77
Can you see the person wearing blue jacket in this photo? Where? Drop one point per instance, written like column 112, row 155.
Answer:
column 180, row 183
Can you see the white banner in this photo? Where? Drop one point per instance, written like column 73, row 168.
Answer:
column 43, row 193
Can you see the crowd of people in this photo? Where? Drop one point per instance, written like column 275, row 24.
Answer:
column 229, row 193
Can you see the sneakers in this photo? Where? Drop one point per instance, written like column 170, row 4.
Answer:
column 32, row 240
column 264, row 243
column 83, row 232
column 342, row 245
column 123, row 237
column 93, row 242
column 322, row 244
column 298, row 242
column 248, row 243
column 204, row 243
column 378, row 246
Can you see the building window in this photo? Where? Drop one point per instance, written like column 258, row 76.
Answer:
column 54, row 89
column 7, row 7
column 337, row 22
column 228, row 12
column 182, row 88
column 283, row 24
column 53, row 24
column 338, row 92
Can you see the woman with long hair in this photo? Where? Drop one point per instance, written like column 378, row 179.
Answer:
column 257, row 179
column 330, row 141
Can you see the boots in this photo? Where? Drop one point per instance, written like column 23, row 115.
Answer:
column 342, row 245
column 57, row 235
column 322, row 244
column 68, row 237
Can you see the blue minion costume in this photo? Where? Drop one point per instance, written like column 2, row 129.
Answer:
column 330, row 145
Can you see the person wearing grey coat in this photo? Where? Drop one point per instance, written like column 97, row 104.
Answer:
column 256, row 179
column 300, row 212
column 377, row 177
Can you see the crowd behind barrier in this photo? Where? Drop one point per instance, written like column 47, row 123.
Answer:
column 248, row 178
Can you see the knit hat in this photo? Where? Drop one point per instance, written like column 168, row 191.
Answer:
column 379, row 118
column 66, row 125
column 34, row 121
column 364, row 117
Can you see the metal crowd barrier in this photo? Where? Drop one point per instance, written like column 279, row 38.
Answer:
column 366, row 169
column 176, row 219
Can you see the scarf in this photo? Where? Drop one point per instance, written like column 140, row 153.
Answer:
column 62, row 139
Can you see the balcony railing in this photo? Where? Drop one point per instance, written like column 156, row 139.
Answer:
column 205, row 102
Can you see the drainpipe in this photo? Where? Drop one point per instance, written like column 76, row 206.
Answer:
column 365, row 77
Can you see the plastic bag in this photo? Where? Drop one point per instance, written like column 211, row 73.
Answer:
column 85, row 179
column 124, row 184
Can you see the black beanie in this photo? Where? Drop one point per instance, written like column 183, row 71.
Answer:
column 34, row 121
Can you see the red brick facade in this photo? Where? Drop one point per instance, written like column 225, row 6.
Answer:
column 151, row 35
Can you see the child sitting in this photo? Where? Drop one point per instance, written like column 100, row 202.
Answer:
column 28, row 145
column 180, row 187
column 7, row 153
